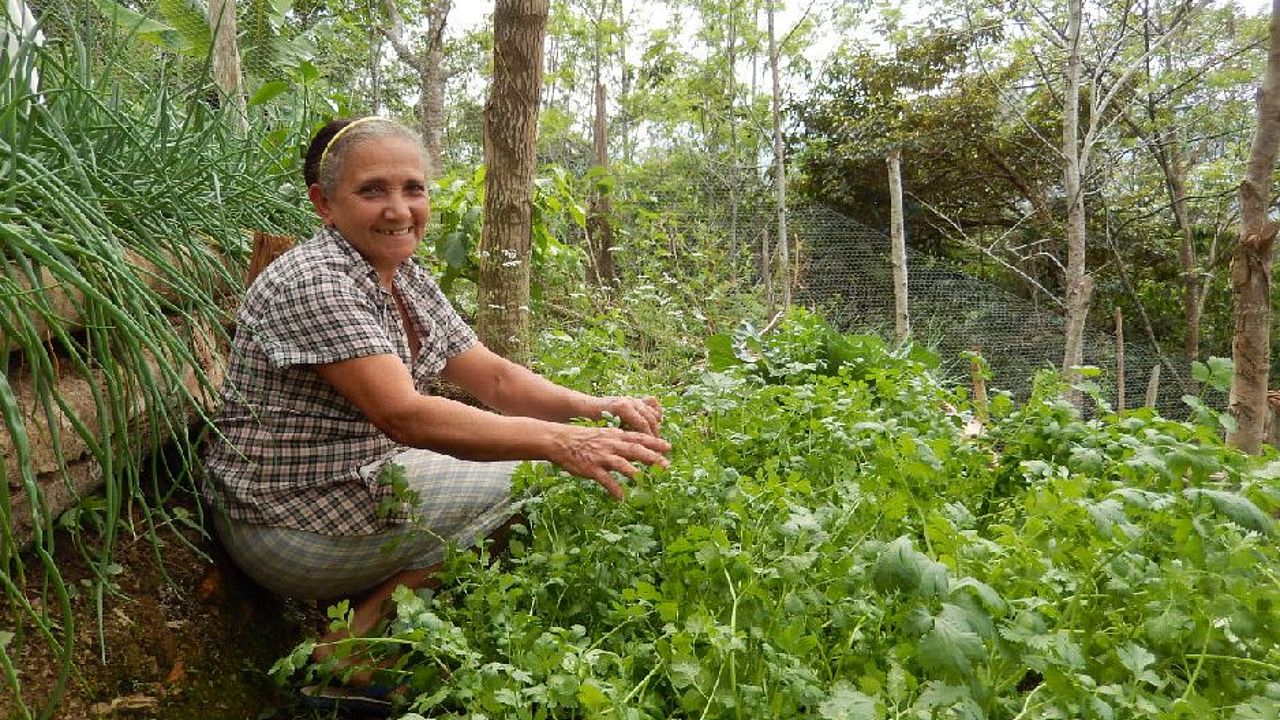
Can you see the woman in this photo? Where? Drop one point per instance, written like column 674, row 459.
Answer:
column 335, row 472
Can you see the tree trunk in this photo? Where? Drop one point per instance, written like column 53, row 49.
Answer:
column 510, row 143
column 731, row 61
column 599, row 231
column 1167, row 150
column 1079, row 286
column 1176, row 184
column 431, row 104
column 1251, row 264
column 429, row 65
column 898, row 247
column 226, row 61
column 780, row 169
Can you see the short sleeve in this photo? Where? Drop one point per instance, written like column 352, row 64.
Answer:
column 319, row 320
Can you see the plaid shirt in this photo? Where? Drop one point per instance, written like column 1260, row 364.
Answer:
column 290, row 451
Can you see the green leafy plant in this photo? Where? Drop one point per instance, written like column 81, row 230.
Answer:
column 123, row 223
column 830, row 542
column 458, row 210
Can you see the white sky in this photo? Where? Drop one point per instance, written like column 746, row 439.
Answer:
column 469, row 14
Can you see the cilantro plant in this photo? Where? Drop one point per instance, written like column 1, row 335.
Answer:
column 833, row 539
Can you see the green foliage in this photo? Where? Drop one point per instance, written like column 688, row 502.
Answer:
column 122, row 227
column 458, row 209
column 829, row 542
column 812, row 346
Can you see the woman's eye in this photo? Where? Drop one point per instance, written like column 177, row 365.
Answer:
column 371, row 191
column 416, row 189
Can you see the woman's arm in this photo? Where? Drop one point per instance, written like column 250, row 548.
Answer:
column 381, row 387
column 515, row 390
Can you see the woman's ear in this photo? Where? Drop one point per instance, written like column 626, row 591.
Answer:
column 319, row 201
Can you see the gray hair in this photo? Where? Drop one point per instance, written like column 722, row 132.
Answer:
column 339, row 142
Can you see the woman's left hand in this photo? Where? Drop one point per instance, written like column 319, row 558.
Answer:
column 639, row 414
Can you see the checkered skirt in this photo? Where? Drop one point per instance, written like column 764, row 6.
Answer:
column 460, row 503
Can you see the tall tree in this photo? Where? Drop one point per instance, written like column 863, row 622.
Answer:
column 1079, row 285
column 428, row 63
column 510, row 143
column 1251, row 263
column 599, row 222
column 1189, row 99
column 226, row 60
column 779, row 163
column 1121, row 52
column 898, row 248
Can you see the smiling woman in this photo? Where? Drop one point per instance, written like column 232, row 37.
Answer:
column 334, row 471
column 381, row 207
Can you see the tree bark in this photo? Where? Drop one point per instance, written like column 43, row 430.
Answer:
column 1120, row 369
column 429, row 65
column 510, row 143
column 1079, row 285
column 780, row 168
column 599, row 230
column 1251, row 263
column 898, row 247
column 226, row 61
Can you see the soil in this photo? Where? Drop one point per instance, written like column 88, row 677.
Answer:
column 186, row 635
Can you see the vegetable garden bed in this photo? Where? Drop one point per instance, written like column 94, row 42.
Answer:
column 833, row 541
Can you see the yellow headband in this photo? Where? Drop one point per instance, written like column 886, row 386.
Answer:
column 324, row 154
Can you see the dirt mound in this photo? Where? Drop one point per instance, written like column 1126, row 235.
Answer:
column 184, row 634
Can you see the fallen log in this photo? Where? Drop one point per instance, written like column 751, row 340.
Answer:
column 47, row 296
column 63, row 424
column 60, row 456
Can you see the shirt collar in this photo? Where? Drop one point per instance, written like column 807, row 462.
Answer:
column 361, row 268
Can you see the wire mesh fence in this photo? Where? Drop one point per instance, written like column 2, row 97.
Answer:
column 845, row 274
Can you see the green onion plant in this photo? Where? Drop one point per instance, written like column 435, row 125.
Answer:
column 125, row 209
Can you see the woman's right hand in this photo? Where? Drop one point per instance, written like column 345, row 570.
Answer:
column 595, row 452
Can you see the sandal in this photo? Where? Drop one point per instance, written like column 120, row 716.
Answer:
column 370, row 701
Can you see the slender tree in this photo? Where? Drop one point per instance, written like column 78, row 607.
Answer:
column 510, row 142
column 779, row 164
column 1108, row 82
column 226, row 60
column 428, row 63
column 1079, row 285
column 599, row 222
column 1251, row 263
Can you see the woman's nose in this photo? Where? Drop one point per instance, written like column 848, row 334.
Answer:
column 397, row 205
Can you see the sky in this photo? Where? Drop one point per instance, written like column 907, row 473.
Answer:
column 468, row 14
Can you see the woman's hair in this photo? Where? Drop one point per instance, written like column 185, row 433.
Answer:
column 323, row 162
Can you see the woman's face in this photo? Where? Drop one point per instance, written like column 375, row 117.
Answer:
column 380, row 204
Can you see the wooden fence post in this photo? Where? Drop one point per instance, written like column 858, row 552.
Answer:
column 979, row 384
column 1153, row 387
column 1119, row 360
